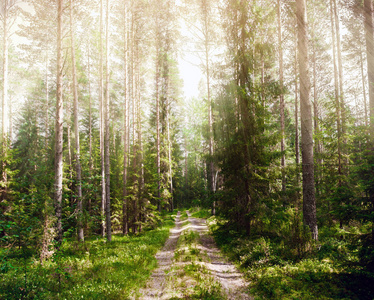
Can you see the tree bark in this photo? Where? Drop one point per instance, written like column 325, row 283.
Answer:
column 5, row 121
column 107, row 133
column 297, row 142
column 315, row 108
column 340, row 68
column 59, row 127
column 369, row 37
column 125, row 225
column 141, row 157
column 158, row 118
column 170, row 171
column 129, row 91
column 89, row 204
column 102, row 154
column 78, row 168
column 244, row 118
column 185, row 163
column 281, row 99
column 205, row 21
column 363, row 88
column 68, row 146
column 336, row 84
column 46, row 121
column 309, row 201
column 134, row 121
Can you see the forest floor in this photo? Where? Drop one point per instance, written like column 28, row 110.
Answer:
column 190, row 266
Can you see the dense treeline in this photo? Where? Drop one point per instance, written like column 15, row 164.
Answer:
column 97, row 137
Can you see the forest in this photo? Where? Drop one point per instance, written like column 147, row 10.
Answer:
column 148, row 137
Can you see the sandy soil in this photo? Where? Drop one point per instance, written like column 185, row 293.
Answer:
column 169, row 281
column 223, row 271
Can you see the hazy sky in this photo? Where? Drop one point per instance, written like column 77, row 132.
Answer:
column 190, row 73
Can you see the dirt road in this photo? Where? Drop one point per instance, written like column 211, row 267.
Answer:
column 190, row 266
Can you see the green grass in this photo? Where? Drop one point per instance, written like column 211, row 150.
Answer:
column 183, row 216
column 206, row 287
column 201, row 284
column 327, row 272
column 187, row 250
column 93, row 270
column 201, row 213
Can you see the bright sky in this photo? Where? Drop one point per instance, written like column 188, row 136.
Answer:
column 191, row 75
column 189, row 71
column 188, row 62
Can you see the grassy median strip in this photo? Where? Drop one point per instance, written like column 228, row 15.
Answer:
column 193, row 280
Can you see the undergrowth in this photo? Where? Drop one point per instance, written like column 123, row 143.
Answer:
column 277, row 269
column 183, row 216
column 94, row 269
column 200, row 213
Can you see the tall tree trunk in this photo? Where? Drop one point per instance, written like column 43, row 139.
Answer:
column 244, row 117
column 369, row 37
column 309, row 201
column 125, row 225
column 340, row 115
column 141, row 162
column 281, row 99
column 134, row 121
column 158, row 120
column 102, row 155
column 107, row 133
column 210, row 172
column 185, row 163
column 363, row 88
column 337, row 91
column 340, row 65
column 78, row 169
column 89, row 204
column 297, row 149
column 5, row 120
column 59, row 126
column 46, row 121
column 10, row 134
column 129, row 93
column 70, row 160
column 170, row 162
column 315, row 107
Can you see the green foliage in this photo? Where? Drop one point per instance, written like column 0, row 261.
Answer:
column 93, row 270
column 246, row 189
column 202, row 213
column 366, row 252
column 276, row 270
column 183, row 216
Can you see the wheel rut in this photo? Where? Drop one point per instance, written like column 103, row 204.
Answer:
column 190, row 266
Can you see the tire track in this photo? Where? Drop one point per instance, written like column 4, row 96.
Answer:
column 231, row 280
column 165, row 281
column 156, row 284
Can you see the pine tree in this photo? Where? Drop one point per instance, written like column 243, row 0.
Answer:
column 78, row 169
column 59, row 125
column 309, row 201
